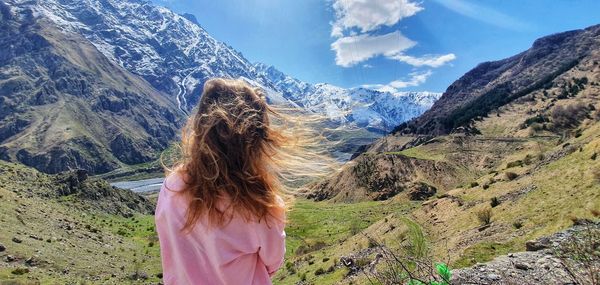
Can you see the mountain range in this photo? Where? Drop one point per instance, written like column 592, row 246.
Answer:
column 167, row 57
column 503, row 162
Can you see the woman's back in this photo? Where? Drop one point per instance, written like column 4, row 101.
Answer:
column 238, row 252
column 220, row 216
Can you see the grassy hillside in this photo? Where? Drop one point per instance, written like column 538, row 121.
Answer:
column 52, row 237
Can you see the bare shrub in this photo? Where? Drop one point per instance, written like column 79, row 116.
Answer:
column 494, row 202
column 580, row 256
column 310, row 247
column 596, row 174
column 517, row 224
column 484, row 216
column 568, row 117
column 517, row 163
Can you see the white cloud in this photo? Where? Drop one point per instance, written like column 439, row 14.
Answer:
column 354, row 49
column 368, row 15
column 427, row 60
column 416, row 79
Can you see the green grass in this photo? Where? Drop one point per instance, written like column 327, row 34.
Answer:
column 483, row 252
column 338, row 229
column 421, row 152
column 311, row 222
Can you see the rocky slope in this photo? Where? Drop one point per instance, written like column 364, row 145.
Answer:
column 491, row 85
column 563, row 258
column 64, row 105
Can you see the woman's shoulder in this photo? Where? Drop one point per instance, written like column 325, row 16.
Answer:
column 174, row 181
column 172, row 187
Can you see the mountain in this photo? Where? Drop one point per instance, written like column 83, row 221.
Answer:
column 176, row 55
column 99, row 85
column 491, row 85
column 65, row 105
column 553, row 84
column 366, row 108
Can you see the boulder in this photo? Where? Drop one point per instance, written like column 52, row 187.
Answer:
column 420, row 191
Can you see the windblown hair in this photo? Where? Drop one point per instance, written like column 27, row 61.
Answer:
column 239, row 148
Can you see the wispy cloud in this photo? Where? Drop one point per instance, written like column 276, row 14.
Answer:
column 484, row 14
column 426, row 60
column 416, row 79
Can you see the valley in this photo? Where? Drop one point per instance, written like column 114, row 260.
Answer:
column 93, row 94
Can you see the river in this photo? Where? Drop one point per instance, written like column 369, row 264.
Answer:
column 141, row 186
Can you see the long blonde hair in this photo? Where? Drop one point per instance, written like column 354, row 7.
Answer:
column 236, row 146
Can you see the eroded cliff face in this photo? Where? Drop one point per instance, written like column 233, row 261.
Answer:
column 382, row 176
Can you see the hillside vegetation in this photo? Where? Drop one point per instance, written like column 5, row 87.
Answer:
column 71, row 229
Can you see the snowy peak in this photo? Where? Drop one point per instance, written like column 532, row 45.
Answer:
column 369, row 108
column 176, row 55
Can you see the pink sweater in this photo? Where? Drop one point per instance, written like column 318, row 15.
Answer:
column 238, row 253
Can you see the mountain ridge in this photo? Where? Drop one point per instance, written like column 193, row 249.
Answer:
column 189, row 54
column 517, row 75
column 66, row 106
column 163, row 59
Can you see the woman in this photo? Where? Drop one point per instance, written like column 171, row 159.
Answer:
column 220, row 215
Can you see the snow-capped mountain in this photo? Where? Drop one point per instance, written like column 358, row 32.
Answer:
column 176, row 55
column 366, row 107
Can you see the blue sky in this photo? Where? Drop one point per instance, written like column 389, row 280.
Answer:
column 401, row 45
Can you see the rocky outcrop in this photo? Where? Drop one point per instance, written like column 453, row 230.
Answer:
column 100, row 195
column 421, row 191
column 382, row 176
column 563, row 258
column 76, row 188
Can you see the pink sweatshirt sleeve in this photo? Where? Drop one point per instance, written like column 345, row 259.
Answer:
column 272, row 246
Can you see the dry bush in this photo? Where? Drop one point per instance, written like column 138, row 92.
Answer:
column 494, row 202
column 511, row 175
column 596, row 174
column 580, row 256
column 568, row 117
column 411, row 264
column 484, row 216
